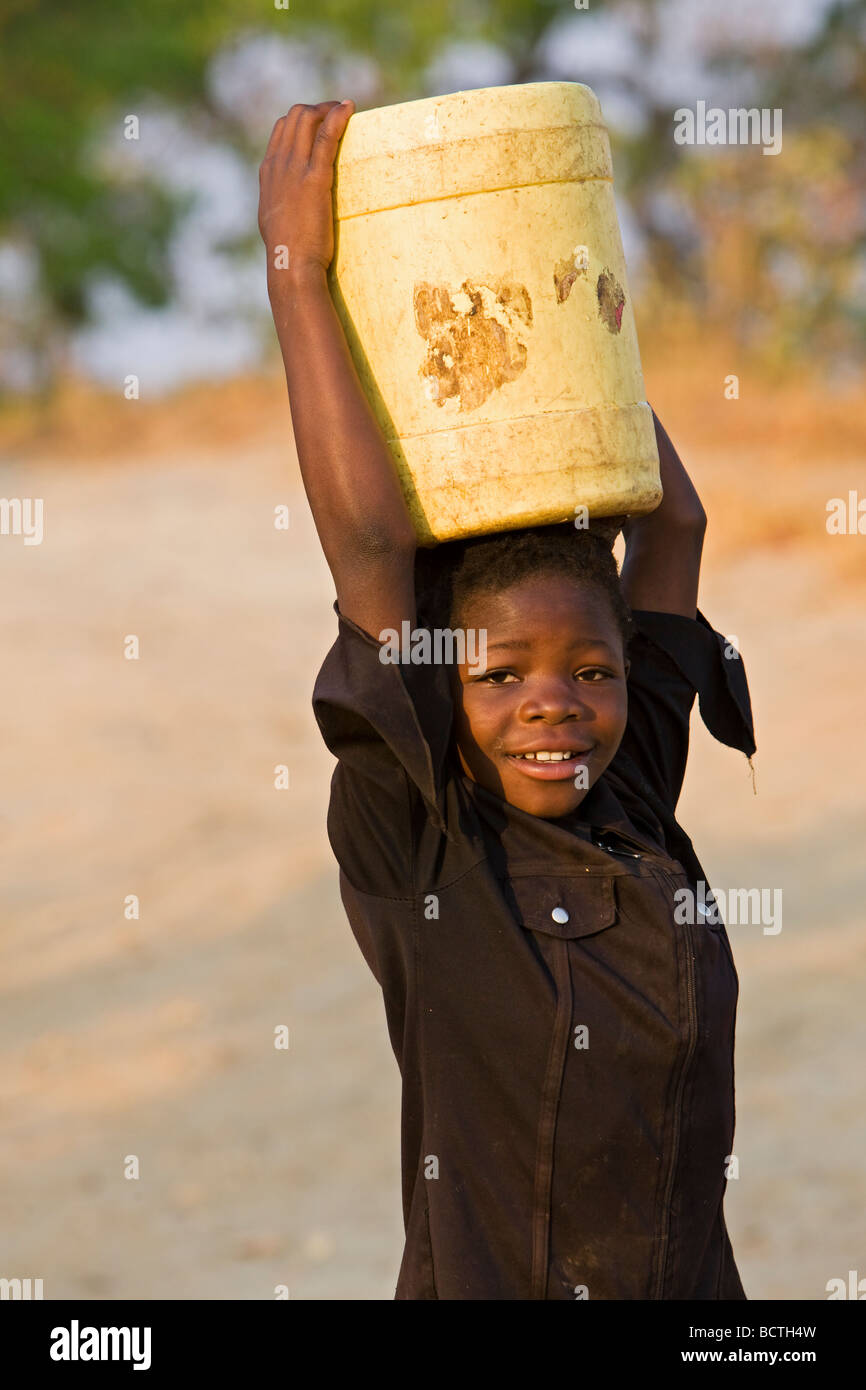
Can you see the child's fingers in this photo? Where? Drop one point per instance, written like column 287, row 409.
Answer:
column 307, row 125
column 329, row 135
column 290, row 124
column 294, row 133
column 325, row 107
column 277, row 135
column 283, row 133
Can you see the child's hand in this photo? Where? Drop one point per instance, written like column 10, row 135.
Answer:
column 295, row 180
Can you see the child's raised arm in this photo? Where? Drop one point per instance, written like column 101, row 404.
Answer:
column 349, row 476
column 662, row 562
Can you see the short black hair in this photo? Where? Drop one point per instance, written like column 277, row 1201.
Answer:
column 448, row 574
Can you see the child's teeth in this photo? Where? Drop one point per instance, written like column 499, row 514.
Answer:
column 545, row 757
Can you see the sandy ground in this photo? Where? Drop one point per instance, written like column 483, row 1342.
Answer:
column 155, row 1037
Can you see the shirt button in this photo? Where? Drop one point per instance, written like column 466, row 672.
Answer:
column 559, row 914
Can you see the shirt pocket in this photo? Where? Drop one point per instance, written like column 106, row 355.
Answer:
column 564, row 906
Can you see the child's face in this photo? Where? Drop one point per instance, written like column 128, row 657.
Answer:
column 554, row 682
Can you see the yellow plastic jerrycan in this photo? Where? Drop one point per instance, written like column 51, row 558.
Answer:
column 480, row 278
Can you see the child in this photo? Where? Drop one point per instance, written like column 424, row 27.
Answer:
column 509, row 857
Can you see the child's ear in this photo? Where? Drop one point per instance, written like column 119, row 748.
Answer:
column 627, row 665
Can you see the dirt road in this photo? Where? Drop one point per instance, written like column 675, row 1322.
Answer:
column 153, row 1036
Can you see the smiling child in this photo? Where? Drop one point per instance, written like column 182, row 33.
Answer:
column 508, row 849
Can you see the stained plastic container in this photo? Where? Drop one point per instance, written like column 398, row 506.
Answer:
column 480, row 278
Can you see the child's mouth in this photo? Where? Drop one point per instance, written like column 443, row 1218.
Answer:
column 551, row 765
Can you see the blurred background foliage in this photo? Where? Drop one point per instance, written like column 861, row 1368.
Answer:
column 155, row 238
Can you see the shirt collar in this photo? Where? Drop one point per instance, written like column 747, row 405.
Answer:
column 600, row 811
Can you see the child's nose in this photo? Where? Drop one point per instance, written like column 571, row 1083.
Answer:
column 555, row 700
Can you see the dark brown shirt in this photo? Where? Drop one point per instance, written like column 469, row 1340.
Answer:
column 565, row 1045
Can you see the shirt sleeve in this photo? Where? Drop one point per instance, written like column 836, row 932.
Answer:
column 674, row 658
column 389, row 726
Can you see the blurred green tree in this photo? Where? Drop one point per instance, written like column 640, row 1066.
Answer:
column 68, row 73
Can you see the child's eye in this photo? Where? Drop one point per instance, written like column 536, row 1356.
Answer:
column 500, row 677
column 594, row 673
